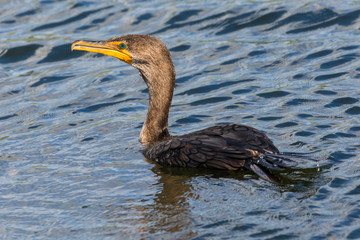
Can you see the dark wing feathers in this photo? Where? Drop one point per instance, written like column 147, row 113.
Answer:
column 222, row 147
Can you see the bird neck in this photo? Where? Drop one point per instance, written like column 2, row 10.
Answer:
column 161, row 88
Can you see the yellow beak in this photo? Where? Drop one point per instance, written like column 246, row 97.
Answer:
column 104, row 47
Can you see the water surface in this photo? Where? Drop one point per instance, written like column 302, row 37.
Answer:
column 71, row 163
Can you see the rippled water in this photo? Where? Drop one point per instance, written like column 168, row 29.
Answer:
column 71, row 164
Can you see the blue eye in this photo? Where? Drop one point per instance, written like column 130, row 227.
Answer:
column 122, row 45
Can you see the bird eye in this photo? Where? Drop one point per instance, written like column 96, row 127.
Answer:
column 122, row 45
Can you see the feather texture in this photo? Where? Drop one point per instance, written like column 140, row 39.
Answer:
column 228, row 147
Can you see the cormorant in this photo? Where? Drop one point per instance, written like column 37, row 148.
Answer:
column 230, row 146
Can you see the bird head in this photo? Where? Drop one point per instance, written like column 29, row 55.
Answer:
column 144, row 52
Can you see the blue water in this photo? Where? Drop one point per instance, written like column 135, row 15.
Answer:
column 71, row 165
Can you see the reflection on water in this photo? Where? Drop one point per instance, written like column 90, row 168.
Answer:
column 70, row 161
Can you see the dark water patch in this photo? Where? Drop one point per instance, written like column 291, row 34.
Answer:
column 205, row 236
column 305, row 116
column 286, row 124
column 190, row 23
column 182, row 47
column 183, row 16
column 27, row 13
column 353, row 110
column 82, row 4
column 226, row 21
column 94, row 23
column 305, row 18
column 47, row 80
column 299, row 76
column 60, row 53
column 222, row 48
column 191, row 119
column 230, row 24
column 351, row 55
column 80, row 123
column 186, row 78
column 298, row 144
column 355, row 129
column 304, row 133
column 265, row 233
column 108, row 79
column 8, row 117
column 100, row 20
column 208, row 88
column 211, row 68
column 256, row 53
column 13, row 92
column 298, row 101
column 17, row 54
column 69, row 20
column 96, row 107
column 210, row 101
column 283, row 237
column 326, row 92
column 216, row 224
column 338, row 62
column 337, row 135
column 341, row 101
column 355, row 191
column 340, row 155
column 255, row 212
column 87, row 139
column 323, row 194
column 323, row 126
column 329, row 76
column 84, row 28
column 232, row 61
column 231, row 107
column 79, row 4
column 35, row 126
column 130, row 109
column 355, row 234
column 249, row 116
column 8, row 22
column 273, row 94
column 346, row 135
column 244, row 227
column 328, row 19
column 233, row 24
column 356, row 76
column 273, row 64
column 146, row 90
column 319, row 54
column 339, row 182
column 269, row 119
column 241, row 91
column 143, row 17
column 66, row 105
column 352, row 47
column 119, row 95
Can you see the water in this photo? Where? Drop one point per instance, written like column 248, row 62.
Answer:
column 71, row 163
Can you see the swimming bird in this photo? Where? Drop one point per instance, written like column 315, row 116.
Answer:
column 229, row 147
